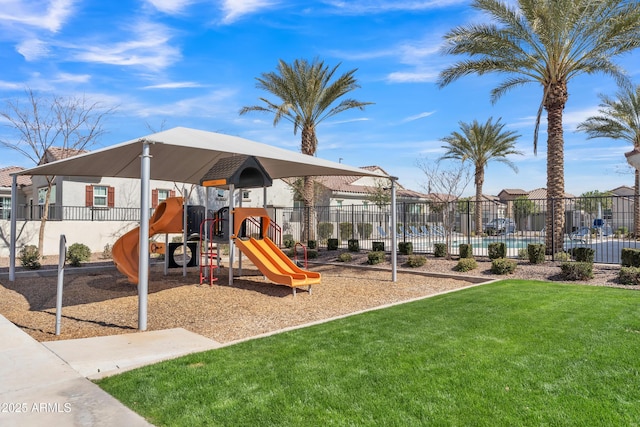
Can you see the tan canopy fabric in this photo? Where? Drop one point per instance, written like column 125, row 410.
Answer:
column 186, row 155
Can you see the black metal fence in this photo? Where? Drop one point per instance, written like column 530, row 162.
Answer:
column 605, row 224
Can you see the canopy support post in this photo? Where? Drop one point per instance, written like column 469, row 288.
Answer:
column 14, row 229
column 394, row 237
column 143, row 261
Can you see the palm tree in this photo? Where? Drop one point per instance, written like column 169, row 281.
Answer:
column 620, row 119
column 307, row 96
column 481, row 143
column 546, row 42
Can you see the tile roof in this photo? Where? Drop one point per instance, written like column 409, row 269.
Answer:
column 6, row 179
column 58, row 153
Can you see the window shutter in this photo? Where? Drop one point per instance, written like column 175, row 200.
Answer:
column 154, row 198
column 88, row 198
column 111, row 197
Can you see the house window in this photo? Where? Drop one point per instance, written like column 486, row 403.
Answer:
column 365, row 205
column 246, row 195
column 339, row 202
column 5, row 207
column 99, row 196
column 220, row 194
column 42, row 194
column 160, row 195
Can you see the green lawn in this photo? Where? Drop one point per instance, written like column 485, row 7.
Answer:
column 509, row 353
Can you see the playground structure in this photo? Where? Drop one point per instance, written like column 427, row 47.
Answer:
column 227, row 225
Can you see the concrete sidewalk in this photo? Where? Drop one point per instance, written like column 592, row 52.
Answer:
column 38, row 387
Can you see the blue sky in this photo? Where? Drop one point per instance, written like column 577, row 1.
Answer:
column 193, row 63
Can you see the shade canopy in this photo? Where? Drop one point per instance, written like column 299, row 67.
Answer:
column 186, row 155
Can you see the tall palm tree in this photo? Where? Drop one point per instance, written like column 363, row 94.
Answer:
column 546, row 42
column 481, row 143
column 306, row 96
column 619, row 118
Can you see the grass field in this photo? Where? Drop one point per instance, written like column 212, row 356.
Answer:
column 508, row 353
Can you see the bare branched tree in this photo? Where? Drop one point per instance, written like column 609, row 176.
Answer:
column 445, row 184
column 37, row 123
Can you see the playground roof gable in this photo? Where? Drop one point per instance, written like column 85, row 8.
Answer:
column 186, row 155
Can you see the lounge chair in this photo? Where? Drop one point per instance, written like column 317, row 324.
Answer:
column 415, row 231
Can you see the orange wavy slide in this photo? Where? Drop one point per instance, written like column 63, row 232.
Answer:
column 167, row 218
column 274, row 264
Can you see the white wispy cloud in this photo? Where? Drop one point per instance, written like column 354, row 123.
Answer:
column 33, row 49
column 45, row 14
column 149, row 47
column 170, row 6
column 208, row 105
column 174, row 85
column 235, row 9
column 75, row 78
column 418, row 116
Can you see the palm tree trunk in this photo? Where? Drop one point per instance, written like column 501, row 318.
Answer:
column 554, row 104
column 636, row 205
column 308, row 146
column 479, row 178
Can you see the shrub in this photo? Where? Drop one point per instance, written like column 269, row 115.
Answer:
column 583, row 254
column 405, row 248
column 562, row 256
column 325, row 230
column 536, row 253
column 440, row 250
column 416, row 260
column 623, row 231
column 30, row 257
column 629, row 275
column 288, row 241
column 346, row 230
column 332, row 244
column 312, row 244
column 375, row 257
column 466, row 250
column 377, row 246
column 503, row 266
column 353, row 245
column 630, row 257
column 523, row 253
column 466, row 264
column 576, row 270
column 365, row 229
column 497, row 250
column 312, row 254
column 77, row 253
column 106, row 252
column 345, row 257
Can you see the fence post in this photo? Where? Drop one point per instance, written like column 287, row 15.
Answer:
column 353, row 222
column 469, row 221
column 404, row 221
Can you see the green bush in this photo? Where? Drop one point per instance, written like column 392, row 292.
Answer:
column 466, row 250
column 497, row 250
column 405, row 248
column 466, row 264
column 288, row 241
column 312, row 244
column 583, row 254
column 503, row 266
column 622, row 231
column 325, row 230
column 630, row 257
column 312, row 254
column 377, row 246
column 30, row 257
column 523, row 253
column 353, row 245
column 332, row 244
column 562, row 256
column 375, row 257
column 77, row 253
column 365, row 229
column 440, row 250
column 346, row 230
column 629, row 275
column 345, row 257
column 536, row 253
column 576, row 270
column 416, row 260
